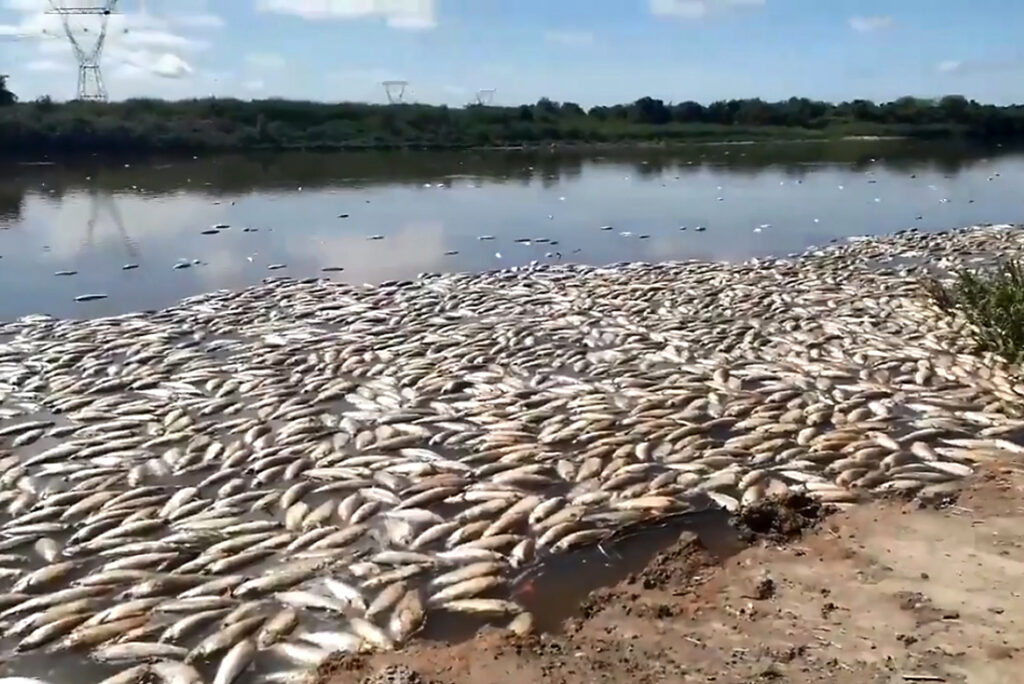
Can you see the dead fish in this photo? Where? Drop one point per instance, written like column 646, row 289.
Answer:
column 279, row 625
column 235, row 662
column 135, row 651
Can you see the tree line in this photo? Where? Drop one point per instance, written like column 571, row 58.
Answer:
column 150, row 125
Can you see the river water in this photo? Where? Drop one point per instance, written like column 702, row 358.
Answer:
column 304, row 212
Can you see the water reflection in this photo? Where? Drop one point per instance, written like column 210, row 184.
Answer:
column 316, row 211
column 103, row 202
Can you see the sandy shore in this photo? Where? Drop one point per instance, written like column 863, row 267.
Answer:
column 892, row 591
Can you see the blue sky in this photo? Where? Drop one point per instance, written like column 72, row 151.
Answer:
column 587, row 51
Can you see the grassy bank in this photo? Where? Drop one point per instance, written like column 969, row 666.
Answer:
column 993, row 301
column 225, row 124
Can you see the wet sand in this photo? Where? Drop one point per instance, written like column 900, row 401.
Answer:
column 892, row 591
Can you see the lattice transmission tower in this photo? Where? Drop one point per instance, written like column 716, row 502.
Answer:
column 395, row 91
column 88, row 53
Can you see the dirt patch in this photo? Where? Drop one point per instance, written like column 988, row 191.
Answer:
column 337, row 668
column 656, row 591
column 780, row 519
column 394, row 674
column 886, row 592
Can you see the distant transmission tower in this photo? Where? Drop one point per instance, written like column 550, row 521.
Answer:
column 395, row 90
column 90, row 77
column 485, row 97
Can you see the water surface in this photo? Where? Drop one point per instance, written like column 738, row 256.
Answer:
column 306, row 212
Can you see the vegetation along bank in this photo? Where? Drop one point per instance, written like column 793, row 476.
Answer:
column 143, row 125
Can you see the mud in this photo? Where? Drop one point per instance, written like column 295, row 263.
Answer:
column 780, row 519
column 573, row 586
column 889, row 592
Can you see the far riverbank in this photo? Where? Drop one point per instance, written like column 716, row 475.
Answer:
column 45, row 127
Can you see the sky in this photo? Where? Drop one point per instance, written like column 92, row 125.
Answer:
column 585, row 51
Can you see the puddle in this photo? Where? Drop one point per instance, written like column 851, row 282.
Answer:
column 555, row 590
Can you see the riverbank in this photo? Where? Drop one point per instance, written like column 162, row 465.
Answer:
column 892, row 591
column 155, row 126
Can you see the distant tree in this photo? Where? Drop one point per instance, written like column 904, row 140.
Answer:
column 45, row 103
column 722, row 112
column 688, row 112
column 232, row 124
column 7, row 98
column 651, row 111
column 864, row 110
column 955, row 107
column 546, row 106
column 756, row 112
column 572, row 109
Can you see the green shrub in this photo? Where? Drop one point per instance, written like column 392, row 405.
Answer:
column 993, row 301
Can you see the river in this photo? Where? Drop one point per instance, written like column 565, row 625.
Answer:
column 141, row 231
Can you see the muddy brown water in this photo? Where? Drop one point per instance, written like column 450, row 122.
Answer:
column 555, row 589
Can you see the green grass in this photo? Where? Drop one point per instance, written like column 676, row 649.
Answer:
column 993, row 301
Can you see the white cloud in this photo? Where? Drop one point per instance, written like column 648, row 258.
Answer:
column 949, row 66
column 697, row 9
column 44, row 65
column 400, row 14
column 254, row 85
column 870, row 24
column 265, row 61
column 170, row 66
column 570, row 38
column 147, row 65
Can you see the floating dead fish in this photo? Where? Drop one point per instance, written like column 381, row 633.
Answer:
column 307, row 466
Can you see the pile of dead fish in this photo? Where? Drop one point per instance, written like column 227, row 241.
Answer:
column 253, row 480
